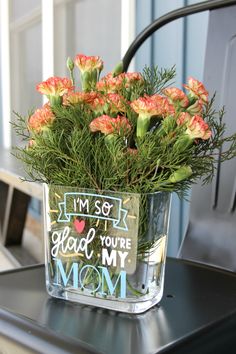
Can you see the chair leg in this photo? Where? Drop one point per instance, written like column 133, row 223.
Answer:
column 3, row 197
column 15, row 213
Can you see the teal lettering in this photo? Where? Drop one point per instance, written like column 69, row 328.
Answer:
column 62, row 274
column 120, row 279
column 88, row 275
column 103, row 282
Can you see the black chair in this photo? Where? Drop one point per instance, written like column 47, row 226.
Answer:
column 211, row 233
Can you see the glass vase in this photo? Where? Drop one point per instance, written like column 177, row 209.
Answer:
column 105, row 248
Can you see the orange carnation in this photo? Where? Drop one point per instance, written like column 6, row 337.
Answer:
column 88, row 63
column 55, row 86
column 108, row 125
column 183, row 118
column 155, row 105
column 197, row 89
column 195, row 108
column 41, row 119
column 116, row 103
column 197, row 128
column 145, row 106
column 110, row 84
column 96, row 102
column 164, row 107
column 176, row 95
column 131, row 78
column 73, row 98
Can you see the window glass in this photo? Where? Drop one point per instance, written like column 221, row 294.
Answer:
column 91, row 28
column 22, row 8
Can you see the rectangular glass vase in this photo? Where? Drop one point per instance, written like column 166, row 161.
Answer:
column 105, row 248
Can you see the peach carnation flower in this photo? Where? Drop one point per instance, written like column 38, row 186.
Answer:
column 195, row 108
column 197, row 128
column 41, row 119
column 145, row 106
column 155, row 105
column 88, row 63
column 108, row 125
column 110, row 84
column 96, row 102
column 197, row 89
column 115, row 102
column 176, row 95
column 183, row 118
column 73, row 98
column 165, row 108
column 149, row 106
column 131, row 78
column 55, row 86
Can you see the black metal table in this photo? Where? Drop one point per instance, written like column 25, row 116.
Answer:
column 197, row 315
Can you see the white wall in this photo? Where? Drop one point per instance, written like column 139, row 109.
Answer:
column 80, row 26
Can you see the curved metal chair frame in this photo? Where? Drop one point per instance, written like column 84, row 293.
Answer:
column 211, row 232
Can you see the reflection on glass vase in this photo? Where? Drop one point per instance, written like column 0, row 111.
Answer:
column 106, row 248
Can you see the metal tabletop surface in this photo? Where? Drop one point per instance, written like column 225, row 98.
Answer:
column 196, row 315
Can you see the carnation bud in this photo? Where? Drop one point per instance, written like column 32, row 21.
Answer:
column 181, row 174
column 110, row 139
column 183, row 143
column 118, row 69
column 31, row 144
column 70, row 64
column 169, row 124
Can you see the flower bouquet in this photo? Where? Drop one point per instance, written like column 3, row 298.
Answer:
column 109, row 156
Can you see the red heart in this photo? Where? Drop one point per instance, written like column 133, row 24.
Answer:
column 79, row 225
